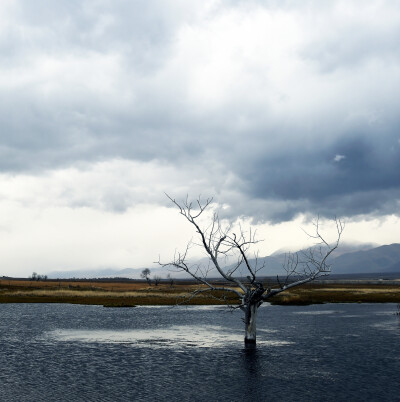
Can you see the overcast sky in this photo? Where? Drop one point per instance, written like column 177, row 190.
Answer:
column 280, row 110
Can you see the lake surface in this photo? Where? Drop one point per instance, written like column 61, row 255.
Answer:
column 60, row 352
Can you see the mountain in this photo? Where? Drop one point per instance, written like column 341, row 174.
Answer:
column 351, row 259
column 379, row 259
column 394, row 267
column 346, row 248
column 348, row 259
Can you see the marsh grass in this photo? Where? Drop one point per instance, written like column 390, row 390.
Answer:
column 129, row 294
column 70, row 293
column 314, row 294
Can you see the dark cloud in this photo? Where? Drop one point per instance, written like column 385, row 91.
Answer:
column 366, row 181
column 351, row 42
column 92, row 81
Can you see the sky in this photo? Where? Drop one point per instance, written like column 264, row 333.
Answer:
column 279, row 110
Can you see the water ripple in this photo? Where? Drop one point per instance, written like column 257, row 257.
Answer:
column 304, row 353
column 172, row 337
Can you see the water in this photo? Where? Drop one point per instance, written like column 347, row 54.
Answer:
column 59, row 352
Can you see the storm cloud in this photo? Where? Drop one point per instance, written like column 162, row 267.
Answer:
column 276, row 108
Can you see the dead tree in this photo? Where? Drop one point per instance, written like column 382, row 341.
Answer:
column 156, row 280
column 170, row 280
column 249, row 292
column 146, row 275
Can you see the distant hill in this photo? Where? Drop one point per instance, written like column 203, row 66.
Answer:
column 351, row 259
column 132, row 273
column 394, row 267
column 346, row 248
column 358, row 259
column 379, row 259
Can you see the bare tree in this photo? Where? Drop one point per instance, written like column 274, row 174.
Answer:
column 171, row 280
column 248, row 291
column 146, row 275
column 156, row 280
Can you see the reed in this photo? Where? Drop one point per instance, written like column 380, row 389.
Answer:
column 138, row 293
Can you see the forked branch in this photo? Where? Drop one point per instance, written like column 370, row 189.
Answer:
column 221, row 243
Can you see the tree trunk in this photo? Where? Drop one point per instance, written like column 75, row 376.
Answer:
column 250, row 323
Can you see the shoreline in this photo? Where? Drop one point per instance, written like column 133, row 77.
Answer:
column 136, row 293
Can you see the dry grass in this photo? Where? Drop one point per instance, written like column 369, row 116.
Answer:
column 111, row 294
column 139, row 293
column 93, row 285
column 71, row 293
column 332, row 293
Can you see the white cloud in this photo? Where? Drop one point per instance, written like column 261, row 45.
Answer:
column 105, row 106
column 113, row 185
column 52, row 238
column 338, row 158
column 48, row 238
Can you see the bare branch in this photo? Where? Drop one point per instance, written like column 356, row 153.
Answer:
column 221, row 244
column 314, row 266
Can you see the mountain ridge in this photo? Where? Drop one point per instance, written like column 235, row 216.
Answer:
column 381, row 259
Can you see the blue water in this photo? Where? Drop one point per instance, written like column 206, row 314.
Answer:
column 332, row 352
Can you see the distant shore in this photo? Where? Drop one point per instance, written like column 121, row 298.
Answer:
column 135, row 293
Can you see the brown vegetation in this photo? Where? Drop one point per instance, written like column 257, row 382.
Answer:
column 340, row 293
column 132, row 293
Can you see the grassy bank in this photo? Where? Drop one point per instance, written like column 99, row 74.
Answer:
column 108, row 294
column 129, row 294
column 339, row 293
